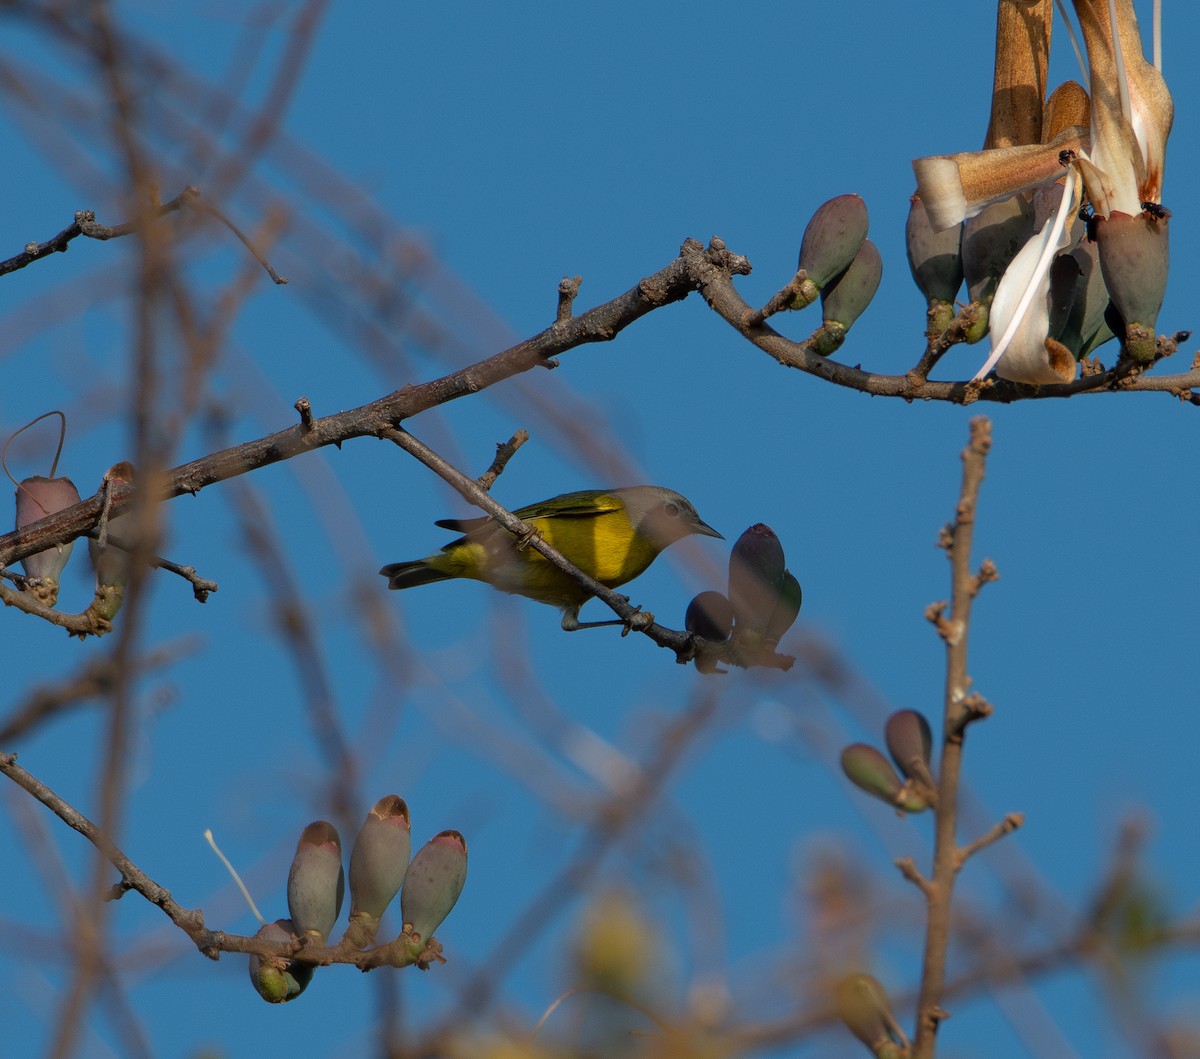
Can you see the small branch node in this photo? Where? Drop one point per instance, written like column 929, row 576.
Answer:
column 304, row 407
column 568, row 291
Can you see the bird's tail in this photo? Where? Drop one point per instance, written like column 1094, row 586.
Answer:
column 411, row 574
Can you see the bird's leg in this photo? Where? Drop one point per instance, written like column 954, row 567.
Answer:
column 634, row 623
column 526, row 539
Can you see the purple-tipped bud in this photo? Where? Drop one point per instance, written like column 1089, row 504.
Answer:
column 935, row 258
column 378, row 863
column 847, row 296
column 435, row 880
column 709, row 616
column 1134, row 256
column 38, row 497
column 831, row 240
column 990, row 240
column 910, row 742
column 316, row 882
column 277, row 980
column 862, row 1005
column 787, row 609
column 756, row 571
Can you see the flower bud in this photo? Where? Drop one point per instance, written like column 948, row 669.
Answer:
column 935, row 259
column 831, row 240
column 787, row 609
column 277, row 980
column 38, row 497
column 847, row 296
column 111, row 559
column 378, row 864
column 868, row 769
column 910, row 742
column 1133, row 257
column 435, row 880
column 709, row 616
column 756, row 569
column 316, row 882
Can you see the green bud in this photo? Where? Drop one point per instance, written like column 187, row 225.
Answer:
column 435, row 880
column 378, row 864
column 867, row 768
column 709, row 616
column 277, row 980
column 847, row 296
column 316, row 882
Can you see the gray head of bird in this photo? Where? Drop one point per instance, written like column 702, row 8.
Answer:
column 663, row 515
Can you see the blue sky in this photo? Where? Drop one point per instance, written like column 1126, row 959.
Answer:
column 505, row 149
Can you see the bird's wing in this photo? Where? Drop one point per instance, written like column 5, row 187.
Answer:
column 569, row 505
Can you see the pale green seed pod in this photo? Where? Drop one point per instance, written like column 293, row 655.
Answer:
column 316, row 882
column 434, row 882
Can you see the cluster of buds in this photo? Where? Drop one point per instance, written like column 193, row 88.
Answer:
column 839, row 265
column 429, row 886
column 910, row 742
column 39, row 497
column 1051, row 282
column 763, row 598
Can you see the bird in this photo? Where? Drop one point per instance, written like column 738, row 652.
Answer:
column 612, row 535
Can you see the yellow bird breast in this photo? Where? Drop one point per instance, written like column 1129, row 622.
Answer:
column 603, row 545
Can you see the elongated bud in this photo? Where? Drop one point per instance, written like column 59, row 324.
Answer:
column 756, row 569
column 1133, row 257
column 378, row 864
column 935, row 260
column 435, row 880
column 910, row 742
column 847, row 296
column 710, row 616
column 277, row 980
column 316, row 882
column 38, row 497
column 869, row 770
column 831, row 240
column 110, row 560
column 862, row 1004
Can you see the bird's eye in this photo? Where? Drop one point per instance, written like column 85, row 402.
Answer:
column 671, row 509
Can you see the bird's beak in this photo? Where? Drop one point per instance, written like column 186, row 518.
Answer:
column 704, row 529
